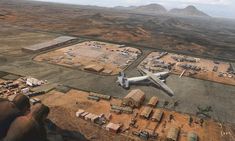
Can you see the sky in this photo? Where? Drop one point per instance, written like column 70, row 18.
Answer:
column 215, row 8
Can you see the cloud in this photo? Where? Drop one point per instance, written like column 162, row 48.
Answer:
column 208, row 2
column 141, row 2
column 212, row 2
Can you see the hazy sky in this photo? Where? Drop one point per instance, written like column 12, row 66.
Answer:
column 217, row 8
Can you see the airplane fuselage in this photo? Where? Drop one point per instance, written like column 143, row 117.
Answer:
column 157, row 79
column 125, row 82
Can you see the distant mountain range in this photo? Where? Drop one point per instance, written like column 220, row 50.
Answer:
column 188, row 11
column 159, row 9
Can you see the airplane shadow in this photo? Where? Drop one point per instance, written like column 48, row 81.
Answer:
column 147, row 83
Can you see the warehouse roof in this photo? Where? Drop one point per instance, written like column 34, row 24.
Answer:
column 94, row 67
column 45, row 45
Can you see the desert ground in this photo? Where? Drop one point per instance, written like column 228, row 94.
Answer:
column 65, row 102
column 211, row 70
column 204, row 37
column 99, row 57
column 26, row 23
column 74, row 100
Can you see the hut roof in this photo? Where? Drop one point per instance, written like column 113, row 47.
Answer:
column 173, row 133
column 157, row 115
column 146, row 112
column 153, row 101
column 136, row 95
column 113, row 126
column 94, row 67
column 79, row 112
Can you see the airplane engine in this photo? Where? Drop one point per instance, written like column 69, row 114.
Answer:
column 126, row 83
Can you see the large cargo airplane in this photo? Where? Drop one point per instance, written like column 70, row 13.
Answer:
column 156, row 78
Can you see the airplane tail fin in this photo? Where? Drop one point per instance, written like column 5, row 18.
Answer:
column 122, row 80
column 122, row 74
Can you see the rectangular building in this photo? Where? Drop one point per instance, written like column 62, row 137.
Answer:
column 112, row 127
column 49, row 44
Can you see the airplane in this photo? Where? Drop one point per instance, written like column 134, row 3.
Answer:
column 156, row 78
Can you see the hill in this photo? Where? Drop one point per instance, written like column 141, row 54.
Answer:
column 188, row 11
column 151, row 9
column 145, row 9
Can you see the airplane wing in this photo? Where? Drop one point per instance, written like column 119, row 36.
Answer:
column 140, row 71
column 158, row 82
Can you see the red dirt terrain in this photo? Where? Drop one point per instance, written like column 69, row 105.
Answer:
column 202, row 37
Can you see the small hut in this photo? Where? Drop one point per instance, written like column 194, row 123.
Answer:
column 134, row 99
column 173, row 134
column 79, row 112
column 146, row 112
column 157, row 116
column 153, row 101
column 84, row 114
column 112, row 127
